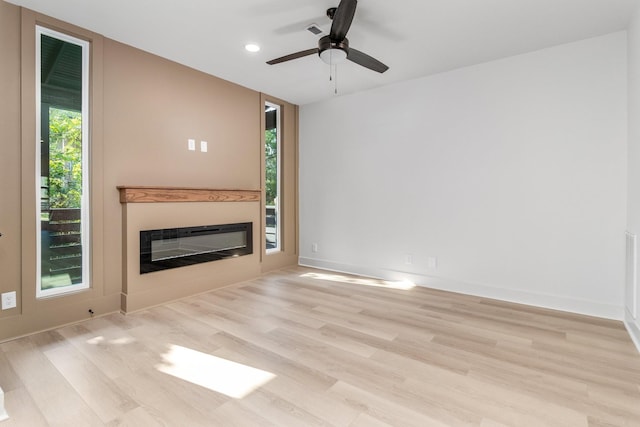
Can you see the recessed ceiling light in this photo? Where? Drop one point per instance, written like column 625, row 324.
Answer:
column 252, row 47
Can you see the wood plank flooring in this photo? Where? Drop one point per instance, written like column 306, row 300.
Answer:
column 303, row 347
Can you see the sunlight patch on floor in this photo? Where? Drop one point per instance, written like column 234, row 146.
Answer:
column 118, row 341
column 95, row 340
column 402, row 284
column 3, row 412
column 214, row 373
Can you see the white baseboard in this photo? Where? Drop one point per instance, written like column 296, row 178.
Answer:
column 3, row 411
column 633, row 328
column 589, row 308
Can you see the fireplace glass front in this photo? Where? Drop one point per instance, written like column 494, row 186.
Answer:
column 179, row 247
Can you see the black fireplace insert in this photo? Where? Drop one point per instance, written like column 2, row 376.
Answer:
column 179, row 247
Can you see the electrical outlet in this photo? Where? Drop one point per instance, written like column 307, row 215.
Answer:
column 432, row 263
column 314, row 247
column 408, row 259
column 9, row 300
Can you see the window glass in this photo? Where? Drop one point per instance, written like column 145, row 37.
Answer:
column 62, row 155
column 272, row 177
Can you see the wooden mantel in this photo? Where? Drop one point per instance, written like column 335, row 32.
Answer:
column 143, row 194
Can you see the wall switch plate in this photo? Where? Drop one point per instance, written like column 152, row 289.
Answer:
column 408, row 259
column 9, row 300
column 314, row 247
column 204, row 146
column 192, row 144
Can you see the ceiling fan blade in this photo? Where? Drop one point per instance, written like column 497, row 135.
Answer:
column 366, row 61
column 293, row 56
column 342, row 19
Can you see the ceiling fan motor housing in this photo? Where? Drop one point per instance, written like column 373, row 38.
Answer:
column 333, row 51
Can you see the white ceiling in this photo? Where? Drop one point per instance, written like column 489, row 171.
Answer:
column 413, row 37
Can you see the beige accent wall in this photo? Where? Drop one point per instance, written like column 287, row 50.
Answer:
column 9, row 156
column 144, row 109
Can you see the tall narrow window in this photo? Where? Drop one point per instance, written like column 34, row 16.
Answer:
column 272, row 177
column 62, row 162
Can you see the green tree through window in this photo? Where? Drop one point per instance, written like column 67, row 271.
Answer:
column 65, row 158
column 271, row 165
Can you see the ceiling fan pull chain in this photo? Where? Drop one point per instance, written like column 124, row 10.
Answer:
column 330, row 66
column 335, row 90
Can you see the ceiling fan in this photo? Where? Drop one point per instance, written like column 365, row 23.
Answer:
column 334, row 48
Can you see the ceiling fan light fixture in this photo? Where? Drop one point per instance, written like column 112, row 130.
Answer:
column 333, row 56
column 333, row 52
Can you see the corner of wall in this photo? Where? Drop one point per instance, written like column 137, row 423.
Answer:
column 633, row 328
column 633, row 154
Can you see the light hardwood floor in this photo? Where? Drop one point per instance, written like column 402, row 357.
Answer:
column 314, row 348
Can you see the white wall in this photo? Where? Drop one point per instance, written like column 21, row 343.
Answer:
column 512, row 173
column 633, row 158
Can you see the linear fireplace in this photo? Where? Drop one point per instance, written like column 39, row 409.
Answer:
column 179, row 247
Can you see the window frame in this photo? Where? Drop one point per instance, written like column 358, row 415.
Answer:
column 86, row 172
column 278, row 204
